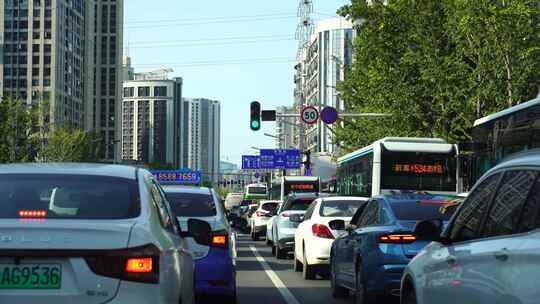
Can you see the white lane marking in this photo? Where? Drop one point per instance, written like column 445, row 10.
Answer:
column 278, row 283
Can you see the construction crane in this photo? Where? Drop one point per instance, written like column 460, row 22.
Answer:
column 305, row 27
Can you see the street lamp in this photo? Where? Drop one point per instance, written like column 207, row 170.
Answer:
column 273, row 136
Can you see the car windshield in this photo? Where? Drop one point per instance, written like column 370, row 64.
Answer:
column 344, row 208
column 192, row 204
column 68, row 197
column 420, row 210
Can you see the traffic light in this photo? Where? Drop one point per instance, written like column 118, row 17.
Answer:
column 255, row 117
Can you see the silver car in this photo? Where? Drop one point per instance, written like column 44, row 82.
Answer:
column 89, row 233
column 283, row 229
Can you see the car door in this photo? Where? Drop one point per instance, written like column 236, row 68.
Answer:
column 450, row 269
column 182, row 257
column 304, row 230
column 341, row 243
column 352, row 245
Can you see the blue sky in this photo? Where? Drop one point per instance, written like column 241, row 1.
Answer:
column 234, row 53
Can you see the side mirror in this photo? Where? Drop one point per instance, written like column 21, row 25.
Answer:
column 337, row 225
column 429, row 230
column 296, row 218
column 200, row 231
column 350, row 228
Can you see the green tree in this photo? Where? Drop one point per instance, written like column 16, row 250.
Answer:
column 65, row 145
column 437, row 65
column 17, row 129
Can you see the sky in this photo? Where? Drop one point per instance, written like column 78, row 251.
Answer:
column 234, row 53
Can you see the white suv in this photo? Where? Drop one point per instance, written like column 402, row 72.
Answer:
column 260, row 218
column 489, row 251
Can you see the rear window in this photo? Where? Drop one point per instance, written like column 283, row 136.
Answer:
column 419, row 210
column 192, row 204
column 340, row 208
column 246, row 203
column 68, row 196
column 269, row 206
column 300, row 204
column 256, row 190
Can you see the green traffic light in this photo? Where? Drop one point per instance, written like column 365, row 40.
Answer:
column 255, row 124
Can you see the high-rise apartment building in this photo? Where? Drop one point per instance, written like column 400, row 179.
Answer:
column 152, row 120
column 201, row 129
column 324, row 65
column 103, row 83
column 68, row 53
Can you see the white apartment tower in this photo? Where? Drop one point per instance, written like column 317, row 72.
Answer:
column 201, row 129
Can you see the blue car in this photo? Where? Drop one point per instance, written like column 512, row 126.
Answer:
column 215, row 262
column 369, row 260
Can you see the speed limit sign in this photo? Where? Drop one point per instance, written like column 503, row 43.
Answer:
column 310, row 115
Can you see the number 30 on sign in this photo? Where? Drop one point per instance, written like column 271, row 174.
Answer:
column 310, row 115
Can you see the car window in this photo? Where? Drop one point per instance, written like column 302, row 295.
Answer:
column 298, row 204
column 334, row 208
column 192, row 204
column 503, row 216
column 466, row 224
column 416, row 210
column 530, row 215
column 309, row 211
column 269, row 206
column 370, row 214
column 68, row 196
column 355, row 220
column 385, row 217
column 159, row 203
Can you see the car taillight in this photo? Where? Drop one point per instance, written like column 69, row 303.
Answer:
column 286, row 214
column 322, row 231
column 138, row 264
column 397, row 238
column 260, row 213
column 220, row 239
column 141, row 265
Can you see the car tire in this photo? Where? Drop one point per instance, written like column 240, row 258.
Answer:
column 360, row 295
column 297, row 266
column 273, row 250
column 338, row 292
column 409, row 297
column 268, row 242
column 280, row 253
column 308, row 271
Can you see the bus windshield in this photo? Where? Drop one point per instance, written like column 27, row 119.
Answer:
column 418, row 171
column 257, row 190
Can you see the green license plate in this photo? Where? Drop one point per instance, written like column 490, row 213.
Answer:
column 30, row 276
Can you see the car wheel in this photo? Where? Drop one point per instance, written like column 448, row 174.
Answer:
column 409, row 297
column 308, row 271
column 338, row 292
column 297, row 266
column 280, row 253
column 268, row 242
column 273, row 250
column 360, row 295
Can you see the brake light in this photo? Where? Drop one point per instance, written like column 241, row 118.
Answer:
column 220, row 240
column 32, row 213
column 260, row 213
column 322, row 231
column 286, row 214
column 138, row 264
column 397, row 239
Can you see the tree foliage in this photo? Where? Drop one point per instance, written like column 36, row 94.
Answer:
column 27, row 136
column 436, row 66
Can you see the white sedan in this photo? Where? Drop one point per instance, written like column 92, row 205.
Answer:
column 80, row 233
column 324, row 220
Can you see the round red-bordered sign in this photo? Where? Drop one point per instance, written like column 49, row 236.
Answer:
column 309, row 115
